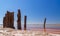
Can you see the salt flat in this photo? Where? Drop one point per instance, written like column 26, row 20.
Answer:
column 13, row 32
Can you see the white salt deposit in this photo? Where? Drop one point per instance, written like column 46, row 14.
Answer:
column 12, row 32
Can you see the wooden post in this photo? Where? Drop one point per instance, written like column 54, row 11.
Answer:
column 45, row 25
column 25, row 19
column 19, row 19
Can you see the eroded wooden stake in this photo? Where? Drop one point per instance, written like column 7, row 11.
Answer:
column 45, row 25
column 25, row 19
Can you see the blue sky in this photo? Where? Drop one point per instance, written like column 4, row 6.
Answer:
column 36, row 10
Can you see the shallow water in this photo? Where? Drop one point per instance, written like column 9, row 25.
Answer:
column 40, row 26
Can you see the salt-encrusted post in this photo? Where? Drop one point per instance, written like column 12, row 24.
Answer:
column 45, row 25
column 25, row 19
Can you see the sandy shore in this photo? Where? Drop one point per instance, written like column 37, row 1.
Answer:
column 13, row 32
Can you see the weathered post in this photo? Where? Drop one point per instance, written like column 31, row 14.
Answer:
column 25, row 19
column 19, row 19
column 3, row 22
column 45, row 25
column 8, row 20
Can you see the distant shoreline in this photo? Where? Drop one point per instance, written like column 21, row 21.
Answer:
column 40, row 26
